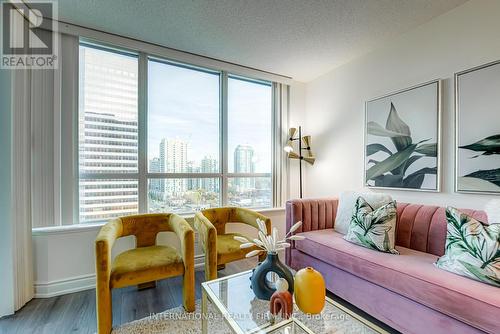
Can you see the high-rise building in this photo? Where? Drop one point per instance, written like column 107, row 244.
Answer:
column 107, row 134
column 209, row 165
column 243, row 159
column 173, row 159
column 163, row 166
column 244, row 163
column 155, row 185
column 193, row 183
column 154, row 165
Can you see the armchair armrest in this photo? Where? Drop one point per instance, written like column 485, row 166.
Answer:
column 186, row 235
column 208, row 236
column 206, row 230
column 103, row 245
column 249, row 217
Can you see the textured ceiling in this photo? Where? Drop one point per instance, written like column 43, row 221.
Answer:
column 300, row 39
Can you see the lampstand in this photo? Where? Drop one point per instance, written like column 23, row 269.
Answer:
column 306, row 140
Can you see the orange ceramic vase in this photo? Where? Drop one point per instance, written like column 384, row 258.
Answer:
column 309, row 291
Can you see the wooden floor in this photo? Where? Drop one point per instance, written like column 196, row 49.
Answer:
column 75, row 312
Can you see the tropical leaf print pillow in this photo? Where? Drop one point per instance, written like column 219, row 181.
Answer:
column 472, row 248
column 373, row 229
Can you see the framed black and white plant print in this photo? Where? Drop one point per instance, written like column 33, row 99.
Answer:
column 477, row 108
column 402, row 139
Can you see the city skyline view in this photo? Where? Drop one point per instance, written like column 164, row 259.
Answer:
column 183, row 136
column 169, row 193
column 178, row 98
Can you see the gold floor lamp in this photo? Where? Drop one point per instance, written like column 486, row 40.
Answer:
column 306, row 140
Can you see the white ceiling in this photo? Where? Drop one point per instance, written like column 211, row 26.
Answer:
column 298, row 38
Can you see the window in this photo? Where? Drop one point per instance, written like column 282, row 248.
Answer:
column 108, row 134
column 183, row 138
column 249, row 143
column 205, row 137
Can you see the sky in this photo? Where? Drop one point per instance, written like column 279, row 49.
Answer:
column 184, row 104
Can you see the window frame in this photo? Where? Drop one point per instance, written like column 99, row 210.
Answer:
column 143, row 176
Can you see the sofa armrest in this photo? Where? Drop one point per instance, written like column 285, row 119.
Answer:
column 315, row 214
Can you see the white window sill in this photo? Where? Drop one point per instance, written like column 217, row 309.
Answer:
column 78, row 228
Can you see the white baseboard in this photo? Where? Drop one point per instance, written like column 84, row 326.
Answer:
column 64, row 286
column 84, row 282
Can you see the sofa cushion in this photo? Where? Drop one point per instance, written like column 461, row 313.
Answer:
column 374, row 229
column 472, row 248
column 412, row 275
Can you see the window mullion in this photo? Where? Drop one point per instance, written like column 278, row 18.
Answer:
column 182, row 175
column 111, row 176
column 142, row 131
column 224, row 137
column 235, row 175
column 276, row 145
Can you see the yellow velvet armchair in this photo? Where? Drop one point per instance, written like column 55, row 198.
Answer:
column 144, row 264
column 220, row 247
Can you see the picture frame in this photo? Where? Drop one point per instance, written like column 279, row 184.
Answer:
column 477, row 129
column 406, row 153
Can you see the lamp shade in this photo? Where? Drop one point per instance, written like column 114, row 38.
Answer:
column 307, row 143
column 288, row 147
column 289, row 144
column 306, row 140
column 310, row 160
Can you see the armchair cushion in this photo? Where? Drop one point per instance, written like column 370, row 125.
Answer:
column 145, row 264
column 228, row 249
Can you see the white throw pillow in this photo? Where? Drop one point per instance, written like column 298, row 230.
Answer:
column 346, row 205
column 492, row 209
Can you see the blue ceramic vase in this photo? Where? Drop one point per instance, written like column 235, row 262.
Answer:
column 260, row 285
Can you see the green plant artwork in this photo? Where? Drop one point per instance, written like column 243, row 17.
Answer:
column 478, row 129
column 393, row 170
column 472, row 248
column 490, row 178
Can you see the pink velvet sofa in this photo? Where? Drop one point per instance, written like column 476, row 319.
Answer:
column 407, row 292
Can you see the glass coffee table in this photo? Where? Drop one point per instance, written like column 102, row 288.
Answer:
column 233, row 299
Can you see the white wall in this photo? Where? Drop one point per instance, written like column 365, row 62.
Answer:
column 297, row 115
column 64, row 258
column 462, row 38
